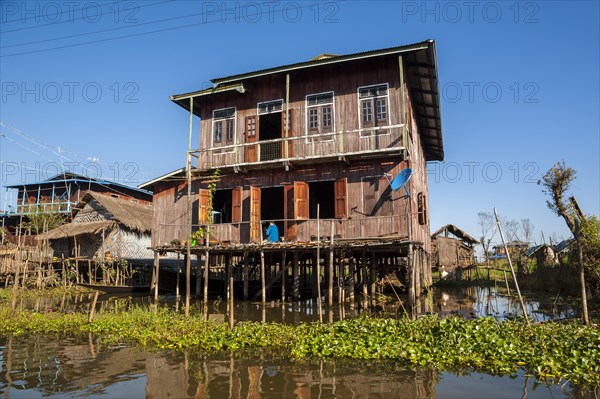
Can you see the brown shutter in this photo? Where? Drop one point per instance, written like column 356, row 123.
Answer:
column 255, row 229
column 204, row 196
column 236, row 205
column 341, row 207
column 251, row 133
column 301, row 200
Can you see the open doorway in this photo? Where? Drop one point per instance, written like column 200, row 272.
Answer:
column 222, row 206
column 270, row 129
column 322, row 193
column 271, row 207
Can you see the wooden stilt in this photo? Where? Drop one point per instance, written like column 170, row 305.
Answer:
column 156, row 270
column 283, row 276
column 373, row 279
column 296, row 278
column 262, row 277
column 230, row 291
column 352, row 277
column 330, row 278
column 245, row 272
column 177, row 279
column 411, row 279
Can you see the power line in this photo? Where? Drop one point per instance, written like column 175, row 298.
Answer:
column 70, row 19
column 138, row 34
column 104, row 30
column 58, row 151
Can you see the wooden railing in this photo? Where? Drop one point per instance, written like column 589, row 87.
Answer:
column 305, row 230
column 305, row 147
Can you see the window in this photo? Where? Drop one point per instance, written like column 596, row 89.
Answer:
column 422, row 208
column 269, row 107
column 224, row 123
column 320, row 114
column 373, row 103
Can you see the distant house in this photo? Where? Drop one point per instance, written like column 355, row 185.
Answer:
column 515, row 247
column 544, row 254
column 452, row 248
column 102, row 228
column 60, row 194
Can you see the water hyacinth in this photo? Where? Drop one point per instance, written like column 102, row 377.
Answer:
column 550, row 351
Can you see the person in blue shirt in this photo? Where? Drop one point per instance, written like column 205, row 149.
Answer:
column 272, row 233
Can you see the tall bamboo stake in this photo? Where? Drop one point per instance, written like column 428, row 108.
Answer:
column 188, row 171
column 512, row 269
column 319, row 264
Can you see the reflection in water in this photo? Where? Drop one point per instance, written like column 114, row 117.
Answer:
column 39, row 367
column 468, row 302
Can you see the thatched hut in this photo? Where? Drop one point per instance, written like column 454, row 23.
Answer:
column 452, row 248
column 104, row 227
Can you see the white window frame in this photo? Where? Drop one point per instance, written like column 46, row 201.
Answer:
column 258, row 111
column 223, row 142
column 374, row 109
column 319, row 117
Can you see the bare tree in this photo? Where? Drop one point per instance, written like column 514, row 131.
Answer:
column 487, row 225
column 527, row 229
column 556, row 183
column 510, row 228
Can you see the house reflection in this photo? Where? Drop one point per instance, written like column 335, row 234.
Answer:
column 40, row 367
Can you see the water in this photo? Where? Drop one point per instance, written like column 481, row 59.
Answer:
column 36, row 367
column 41, row 367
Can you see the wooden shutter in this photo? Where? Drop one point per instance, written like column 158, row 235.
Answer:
column 301, row 200
column 251, row 133
column 204, row 197
column 255, row 230
column 236, row 205
column 341, row 207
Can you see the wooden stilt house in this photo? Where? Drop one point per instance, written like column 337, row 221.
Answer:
column 314, row 147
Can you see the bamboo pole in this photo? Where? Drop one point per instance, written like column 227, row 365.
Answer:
column 511, row 267
column 318, row 265
column 93, row 308
column 188, row 172
column 230, row 290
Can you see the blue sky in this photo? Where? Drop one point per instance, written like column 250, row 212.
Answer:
column 519, row 83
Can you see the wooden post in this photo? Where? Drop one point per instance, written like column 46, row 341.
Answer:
column 373, row 278
column 93, row 308
column 318, row 264
column 283, row 276
column 206, row 271
column 156, row 267
column 352, row 274
column 364, row 280
column 262, row 277
column 15, row 284
column 177, row 279
column 411, row 279
column 230, row 290
column 245, row 272
column 296, row 277
column 188, row 172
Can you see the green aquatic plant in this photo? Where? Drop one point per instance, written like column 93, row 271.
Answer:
column 551, row 351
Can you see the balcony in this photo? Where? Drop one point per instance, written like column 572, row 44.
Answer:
column 359, row 143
